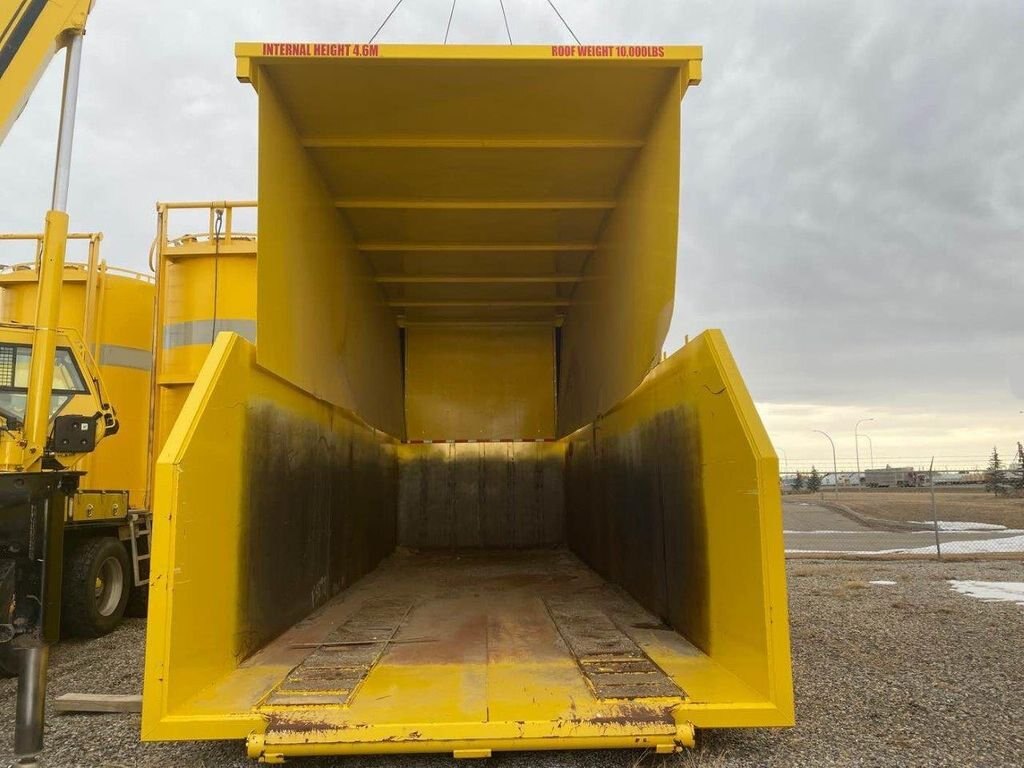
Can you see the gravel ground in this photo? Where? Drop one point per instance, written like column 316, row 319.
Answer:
column 907, row 675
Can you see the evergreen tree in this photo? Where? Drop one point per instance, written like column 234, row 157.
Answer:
column 996, row 474
column 798, row 482
column 814, row 480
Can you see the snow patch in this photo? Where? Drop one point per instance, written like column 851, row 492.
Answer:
column 872, row 532
column 883, row 583
column 1005, row 544
column 819, row 533
column 948, row 525
column 991, row 591
column 977, row 546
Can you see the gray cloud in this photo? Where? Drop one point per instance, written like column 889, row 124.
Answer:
column 853, row 195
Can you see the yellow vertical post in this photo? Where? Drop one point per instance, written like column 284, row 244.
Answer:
column 91, row 322
column 156, row 263
column 44, row 342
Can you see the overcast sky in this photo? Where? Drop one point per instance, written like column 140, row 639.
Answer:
column 853, row 198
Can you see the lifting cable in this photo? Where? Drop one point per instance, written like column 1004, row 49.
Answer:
column 505, row 17
column 559, row 15
column 451, row 15
column 218, row 228
column 449, row 27
column 386, row 20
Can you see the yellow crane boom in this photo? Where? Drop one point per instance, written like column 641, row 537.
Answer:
column 31, row 33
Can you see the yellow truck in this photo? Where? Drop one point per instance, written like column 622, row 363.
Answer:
column 54, row 410
column 445, row 494
column 107, row 524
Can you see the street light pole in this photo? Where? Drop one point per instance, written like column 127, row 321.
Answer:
column 835, row 465
column 856, row 447
column 871, row 450
column 785, row 460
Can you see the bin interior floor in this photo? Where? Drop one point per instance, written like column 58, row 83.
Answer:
column 508, row 645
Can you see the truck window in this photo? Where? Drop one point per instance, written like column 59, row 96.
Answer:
column 15, row 360
column 66, row 376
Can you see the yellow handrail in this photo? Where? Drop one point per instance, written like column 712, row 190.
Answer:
column 226, row 235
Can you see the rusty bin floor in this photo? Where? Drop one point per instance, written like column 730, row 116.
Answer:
column 482, row 649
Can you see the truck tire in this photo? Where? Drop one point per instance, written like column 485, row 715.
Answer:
column 97, row 579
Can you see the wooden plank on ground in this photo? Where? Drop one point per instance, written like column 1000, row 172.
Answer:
column 98, row 702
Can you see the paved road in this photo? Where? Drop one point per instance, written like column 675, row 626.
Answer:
column 811, row 527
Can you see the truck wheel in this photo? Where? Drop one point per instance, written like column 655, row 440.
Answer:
column 96, row 582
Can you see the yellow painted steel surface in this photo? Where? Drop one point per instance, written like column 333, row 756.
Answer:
column 322, row 322
column 206, row 284
column 39, row 397
column 493, row 262
column 82, row 396
column 216, row 546
column 730, row 654
column 621, row 312
column 691, row 433
column 542, row 185
column 479, row 383
column 90, row 506
column 31, row 32
column 113, row 310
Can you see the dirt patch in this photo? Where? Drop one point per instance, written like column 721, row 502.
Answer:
column 914, row 504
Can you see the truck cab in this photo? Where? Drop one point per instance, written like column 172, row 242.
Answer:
column 80, row 415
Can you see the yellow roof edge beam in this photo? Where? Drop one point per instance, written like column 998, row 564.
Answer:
column 31, row 33
column 685, row 57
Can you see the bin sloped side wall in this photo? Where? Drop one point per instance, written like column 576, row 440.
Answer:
column 621, row 312
column 673, row 494
column 322, row 322
column 268, row 501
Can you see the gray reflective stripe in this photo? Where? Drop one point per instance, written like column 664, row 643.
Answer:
column 204, row 332
column 126, row 357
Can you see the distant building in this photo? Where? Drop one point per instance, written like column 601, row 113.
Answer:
column 962, row 477
column 892, row 477
column 845, row 479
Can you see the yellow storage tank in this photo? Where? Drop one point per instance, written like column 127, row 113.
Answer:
column 112, row 309
column 206, row 283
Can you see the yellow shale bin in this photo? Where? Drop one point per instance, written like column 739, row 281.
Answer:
column 206, row 284
column 112, row 309
column 452, row 500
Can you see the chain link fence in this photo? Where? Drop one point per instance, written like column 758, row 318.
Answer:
column 896, row 523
